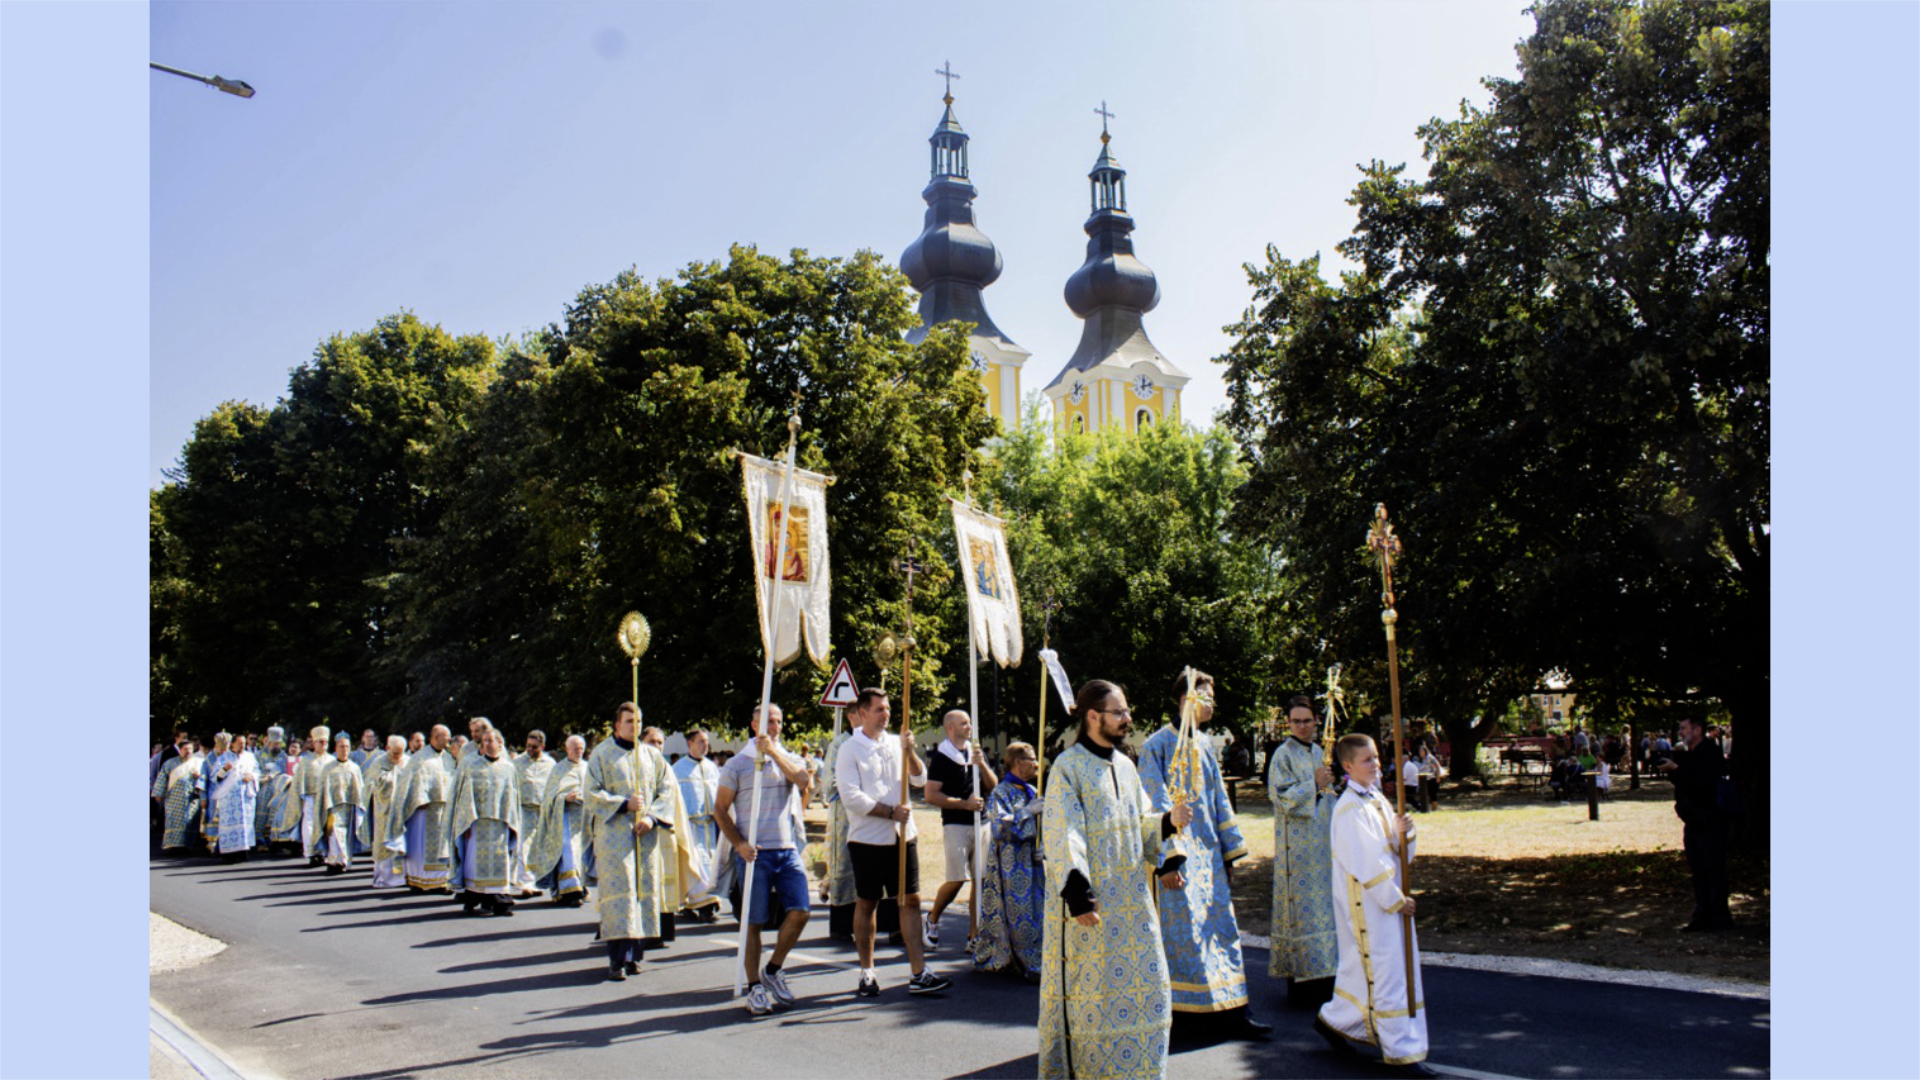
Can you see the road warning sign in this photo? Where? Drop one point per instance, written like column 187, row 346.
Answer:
column 841, row 691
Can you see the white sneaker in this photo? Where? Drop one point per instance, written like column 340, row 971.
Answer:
column 758, row 1002
column 776, row 984
column 930, row 932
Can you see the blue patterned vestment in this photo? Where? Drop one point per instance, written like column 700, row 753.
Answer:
column 1305, row 943
column 1013, row 894
column 179, row 782
column 1104, row 1009
column 237, row 795
column 273, row 765
column 209, row 805
column 1204, row 963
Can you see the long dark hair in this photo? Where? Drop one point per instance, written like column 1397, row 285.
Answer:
column 1091, row 696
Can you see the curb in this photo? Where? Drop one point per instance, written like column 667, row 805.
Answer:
column 1567, row 969
column 204, row 1059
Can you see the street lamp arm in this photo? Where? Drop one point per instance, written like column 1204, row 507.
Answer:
column 229, row 86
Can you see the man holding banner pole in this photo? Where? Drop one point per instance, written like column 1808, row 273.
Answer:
column 770, row 847
column 787, row 535
column 955, row 771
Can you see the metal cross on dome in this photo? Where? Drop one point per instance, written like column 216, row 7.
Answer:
column 1104, row 116
column 946, row 70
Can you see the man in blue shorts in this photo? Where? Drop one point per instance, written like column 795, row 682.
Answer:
column 772, row 843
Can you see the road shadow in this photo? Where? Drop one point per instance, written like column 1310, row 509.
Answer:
column 411, row 918
column 585, row 929
column 591, row 950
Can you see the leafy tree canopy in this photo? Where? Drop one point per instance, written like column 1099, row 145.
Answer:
column 1552, row 365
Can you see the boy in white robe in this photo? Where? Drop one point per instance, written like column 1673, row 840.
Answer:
column 1370, row 998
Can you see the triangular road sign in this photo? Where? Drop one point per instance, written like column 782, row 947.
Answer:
column 841, row 691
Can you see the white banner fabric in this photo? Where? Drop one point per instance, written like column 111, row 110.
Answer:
column 804, row 583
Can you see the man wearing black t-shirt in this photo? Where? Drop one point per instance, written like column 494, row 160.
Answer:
column 950, row 787
column 1696, row 773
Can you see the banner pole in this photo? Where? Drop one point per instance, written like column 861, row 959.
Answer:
column 766, row 698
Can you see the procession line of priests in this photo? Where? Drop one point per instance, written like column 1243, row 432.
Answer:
column 485, row 805
column 419, row 832
column 1204, row 963
column 710, row 859
column 310, row 784
column 1305, row 947
column 381, row 825
column 341, row 791
column 629, row 786
column 272, row 763
column 561, row 845
column 1104, row 990
column 532, row 768
column 236, row 797
column 179, row 786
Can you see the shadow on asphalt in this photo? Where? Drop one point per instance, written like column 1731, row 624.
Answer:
column 417, row 918
column 587, row 928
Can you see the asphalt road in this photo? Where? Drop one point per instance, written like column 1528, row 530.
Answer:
column 325, row 977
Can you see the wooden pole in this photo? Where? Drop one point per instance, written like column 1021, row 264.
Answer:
column 1386, row 545
column 908, row 566
column 906, row 722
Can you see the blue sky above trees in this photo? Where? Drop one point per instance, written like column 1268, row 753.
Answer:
column 478, row 164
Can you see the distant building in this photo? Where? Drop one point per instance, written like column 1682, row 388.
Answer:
column 952, row 261
column 1116, row 378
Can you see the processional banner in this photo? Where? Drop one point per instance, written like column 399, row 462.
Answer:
column 992, row 601
column 800, row 577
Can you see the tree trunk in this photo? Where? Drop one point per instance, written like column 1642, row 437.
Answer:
column 1464, row 738
column 1749, row 766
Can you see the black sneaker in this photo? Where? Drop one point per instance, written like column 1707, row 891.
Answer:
column 928, row 983
column 868, row 987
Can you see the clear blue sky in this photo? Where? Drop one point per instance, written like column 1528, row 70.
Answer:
column 480, row 163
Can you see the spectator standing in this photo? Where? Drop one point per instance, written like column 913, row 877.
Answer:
column 1696, row 773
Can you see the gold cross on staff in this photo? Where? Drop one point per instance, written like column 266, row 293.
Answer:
column 946, row 70
column 1386, row 546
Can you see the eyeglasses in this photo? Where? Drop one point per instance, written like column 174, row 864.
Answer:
column 1128, row 713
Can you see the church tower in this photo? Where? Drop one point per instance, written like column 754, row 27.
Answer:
column 1116, row 378
column 952, row 261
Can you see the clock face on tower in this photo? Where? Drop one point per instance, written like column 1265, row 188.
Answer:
column 1142, row 386
column 979, row 360
column 1078, row 392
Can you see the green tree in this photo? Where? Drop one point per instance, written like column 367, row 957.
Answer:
column 1128, row 534
column 598, row 478
column 1552, row 365
column 278, row 536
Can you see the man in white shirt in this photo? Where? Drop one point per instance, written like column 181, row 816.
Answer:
column 867, row 774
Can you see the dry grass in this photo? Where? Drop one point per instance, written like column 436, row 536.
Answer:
column 1506, row 872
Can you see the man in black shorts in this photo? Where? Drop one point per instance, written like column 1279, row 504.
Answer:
column 867, row 775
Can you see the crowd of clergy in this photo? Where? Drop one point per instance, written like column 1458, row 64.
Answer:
column 1108, row 883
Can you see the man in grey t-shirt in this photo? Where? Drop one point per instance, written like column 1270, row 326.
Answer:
column 771, row 842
